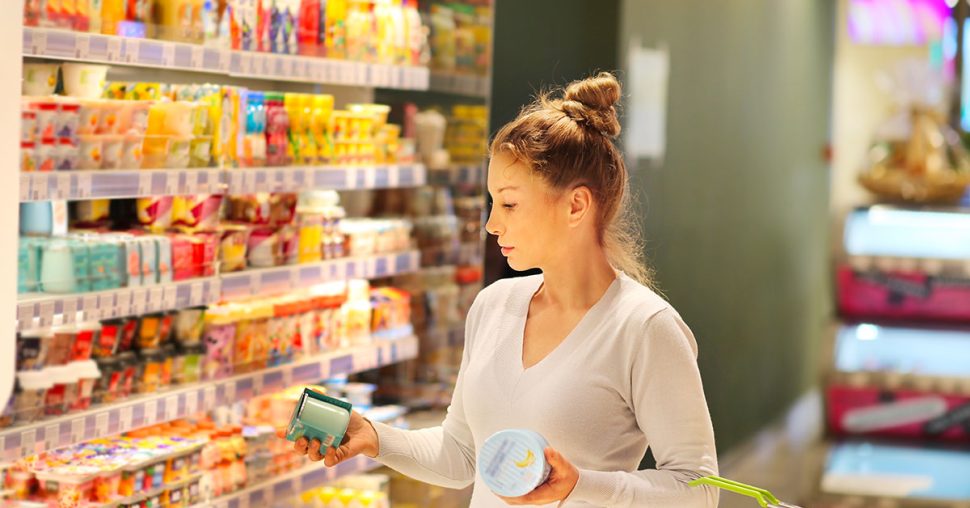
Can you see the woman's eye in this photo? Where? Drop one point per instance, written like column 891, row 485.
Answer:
column 509, row 206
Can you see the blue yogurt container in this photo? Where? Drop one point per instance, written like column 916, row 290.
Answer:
column 513, row 462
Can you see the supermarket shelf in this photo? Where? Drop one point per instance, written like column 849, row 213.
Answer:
column 460, row 84
column 292, row 179
column 75, row 185
column 45, row 310
column 109, row 49
column 278, row 490
column 323, row 70
column 269, row 281
column 170, row 405
column 458, row 174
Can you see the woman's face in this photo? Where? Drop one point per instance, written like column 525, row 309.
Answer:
column 529, row 218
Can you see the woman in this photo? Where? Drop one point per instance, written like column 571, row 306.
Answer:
column 584, row 353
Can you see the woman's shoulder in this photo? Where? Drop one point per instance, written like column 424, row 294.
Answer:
column 639, row 303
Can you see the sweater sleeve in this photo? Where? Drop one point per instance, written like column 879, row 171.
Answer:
column 443, row 455
column 671, row 410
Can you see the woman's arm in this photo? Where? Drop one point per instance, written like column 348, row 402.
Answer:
column 670, row 407
column 443, row 455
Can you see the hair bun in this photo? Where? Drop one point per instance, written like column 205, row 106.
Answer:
column 593, row 100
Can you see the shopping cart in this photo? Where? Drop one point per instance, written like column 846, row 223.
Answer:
column 765, row 499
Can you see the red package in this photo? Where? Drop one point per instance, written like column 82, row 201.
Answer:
column 903, row 296
column 902, row 413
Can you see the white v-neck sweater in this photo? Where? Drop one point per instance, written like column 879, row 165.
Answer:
column 624, row 379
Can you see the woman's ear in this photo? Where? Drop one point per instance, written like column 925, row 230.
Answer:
column 580, row 205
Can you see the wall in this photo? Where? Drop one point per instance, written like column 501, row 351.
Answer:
column 736, row 217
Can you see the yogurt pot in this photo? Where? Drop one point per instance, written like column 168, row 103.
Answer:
column 61, row 346
column 86, row 336
column 513, row 462
column 107, row 387
column 111, row 152
column 88, row 375
column 32, row 349
column 64, row 390
column 32, row 389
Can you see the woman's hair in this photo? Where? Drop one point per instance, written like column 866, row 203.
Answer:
column 568, row 141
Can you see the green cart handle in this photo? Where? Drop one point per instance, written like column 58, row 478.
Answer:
column 763, row 497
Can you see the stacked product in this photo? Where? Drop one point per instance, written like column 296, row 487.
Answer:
column 91, row 124
column 69, row 368
column 460, row 37
column 375, row 31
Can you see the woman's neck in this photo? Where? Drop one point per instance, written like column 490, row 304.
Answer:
column 576, row 285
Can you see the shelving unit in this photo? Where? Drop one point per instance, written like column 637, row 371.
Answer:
column 109, row 49
column 79, row 185
column 460, row 84
column 112, row 419
column 350, row 82
column 282, row 487
column 457, row 174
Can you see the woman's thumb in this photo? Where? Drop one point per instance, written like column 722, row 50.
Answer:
column 554, row 458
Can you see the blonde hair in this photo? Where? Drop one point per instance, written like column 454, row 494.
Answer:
column 568, row 141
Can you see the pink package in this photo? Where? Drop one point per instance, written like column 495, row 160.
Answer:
column 897, row 413
column 899, row 295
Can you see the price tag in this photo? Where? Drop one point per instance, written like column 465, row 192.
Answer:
column 370, row 177
column 170, row 297
column 28, row 441
column 249, row 182
column 172, row 180
column 289, row 180
column 38, row 189
column 255, row 284
column 82, row 46
column 168, row 54
column 25, row 315
column 155, row 299
column 38, row 43
column 351, row 175
column 151, row 412
column 260, row 182
column 139, row 301
column 297, row 484
column 257, row 385
column 46, row 314
column 198, row 57
column 215, row 290
column 123, row 304
column 209, row 398
column 84, row 185
column 101, row 424
column 196, row 297
column 230, row 391
column 236, row 182
column 106, row 303
column 171, row 407
column 77, row 430
column 244, row 500
column 62, row 186
column 69, row 306
column 191, row 183
column 125, row 418
column 91, row 310
column 145, row 184
column 113, row 53
column 51, row 436
column 25, row 180
column 191, row 402
column 287, row 377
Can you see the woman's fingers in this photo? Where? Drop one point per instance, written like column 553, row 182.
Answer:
column 300, row 445
column 314, row 452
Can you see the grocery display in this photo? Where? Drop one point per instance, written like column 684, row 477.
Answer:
column 896, row 387
column 186, row 264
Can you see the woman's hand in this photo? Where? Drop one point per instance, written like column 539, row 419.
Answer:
column 561, row 482
column 360, row 438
